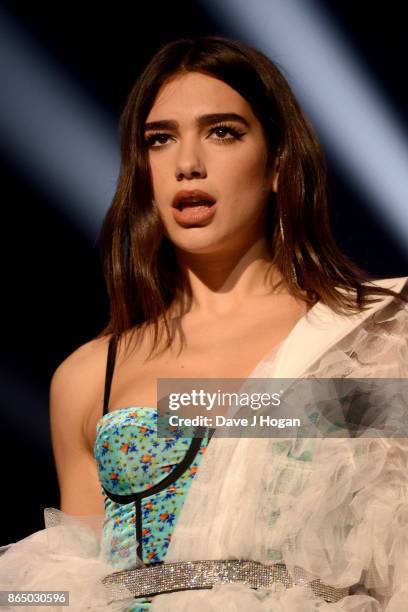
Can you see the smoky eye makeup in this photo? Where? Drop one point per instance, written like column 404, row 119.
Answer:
column 233, row 123
column 157, row 139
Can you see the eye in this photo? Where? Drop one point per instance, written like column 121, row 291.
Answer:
column 161, row 137
column 223, row 129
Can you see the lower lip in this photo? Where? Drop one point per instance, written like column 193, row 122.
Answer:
column 191, row 215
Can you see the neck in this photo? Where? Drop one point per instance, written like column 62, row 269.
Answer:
column 220, row 284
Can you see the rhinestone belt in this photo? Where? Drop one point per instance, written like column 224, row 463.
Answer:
column 184, row 575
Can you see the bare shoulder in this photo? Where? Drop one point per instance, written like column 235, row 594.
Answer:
column 74, row 392
column 87, row 355
column 81, row 372
column 77, row 383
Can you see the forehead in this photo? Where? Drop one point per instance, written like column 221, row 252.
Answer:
column 191, row 94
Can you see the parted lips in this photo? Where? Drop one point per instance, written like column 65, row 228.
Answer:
column 192, row 198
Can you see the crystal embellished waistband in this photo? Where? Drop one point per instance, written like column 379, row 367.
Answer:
column 184, row 575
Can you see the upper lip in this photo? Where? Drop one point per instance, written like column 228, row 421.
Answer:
column 195, row 194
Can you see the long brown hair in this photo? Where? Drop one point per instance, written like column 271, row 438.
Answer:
column 139, row 263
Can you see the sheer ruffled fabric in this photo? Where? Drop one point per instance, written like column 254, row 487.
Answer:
column 335, row 507
column 65, row 556
column 240, row 598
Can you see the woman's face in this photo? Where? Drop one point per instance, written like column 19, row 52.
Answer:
column 207, row 138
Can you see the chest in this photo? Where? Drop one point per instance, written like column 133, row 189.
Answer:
column 213, row 352
column 212, row 349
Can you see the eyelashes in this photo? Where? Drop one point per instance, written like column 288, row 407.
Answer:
column 235, row 134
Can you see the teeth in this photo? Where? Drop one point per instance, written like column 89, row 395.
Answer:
column 193, row 203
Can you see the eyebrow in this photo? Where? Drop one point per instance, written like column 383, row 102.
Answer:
column 202, row 121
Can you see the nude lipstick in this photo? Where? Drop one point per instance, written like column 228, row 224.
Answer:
column 193, row 207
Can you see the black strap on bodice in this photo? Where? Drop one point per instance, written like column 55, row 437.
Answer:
column 110, row 366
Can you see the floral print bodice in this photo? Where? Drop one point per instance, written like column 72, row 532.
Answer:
column 145, row 480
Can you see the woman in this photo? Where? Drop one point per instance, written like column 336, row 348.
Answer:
column 220, row 263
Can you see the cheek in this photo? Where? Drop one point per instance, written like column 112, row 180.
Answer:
column 158, row 176
column 244, row 175
column 254, row 163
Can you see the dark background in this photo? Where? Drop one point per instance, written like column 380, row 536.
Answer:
column 53, row 293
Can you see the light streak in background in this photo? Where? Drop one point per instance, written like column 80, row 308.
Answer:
column 356, row 125
column 54, row 133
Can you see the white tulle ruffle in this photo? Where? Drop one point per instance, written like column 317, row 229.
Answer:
column 240, row 598
column 65, row 556
column 335, row 507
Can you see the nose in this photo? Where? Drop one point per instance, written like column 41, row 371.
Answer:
column 189, row 163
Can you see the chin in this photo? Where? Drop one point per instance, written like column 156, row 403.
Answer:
column 197, row 244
